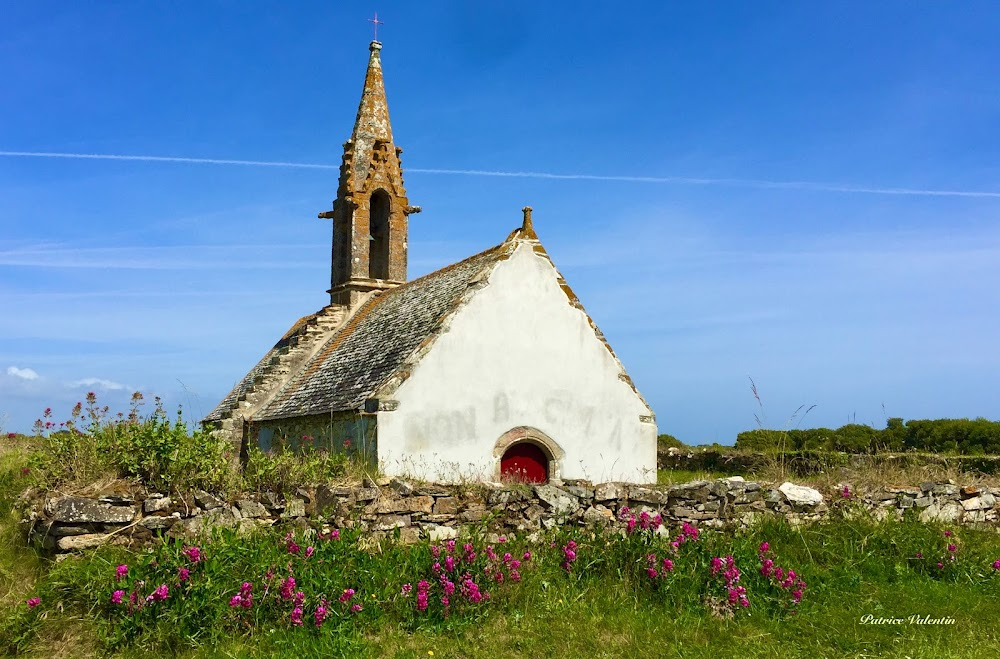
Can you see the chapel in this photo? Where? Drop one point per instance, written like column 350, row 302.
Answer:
column 487, row 369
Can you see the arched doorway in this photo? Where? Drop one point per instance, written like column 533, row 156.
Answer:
column 528, row 455
column 524, row 462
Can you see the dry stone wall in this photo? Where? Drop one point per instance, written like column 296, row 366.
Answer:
column 416, row 511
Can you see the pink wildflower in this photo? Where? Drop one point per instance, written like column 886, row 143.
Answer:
column 407, row 588
column 183, row 574
column 668, row 565
column 296, row 616
column 120, row 572
column 309, row 552
column 287, row 588
column 952, row 548
column 116, row 597
column 996, row 564
column 764, row 547
column 947, row 534
column 320, row 614
column 235, row 601
column 652, row 573
column 346, row 596
column 569, row 553
column 193, row 554
column 161, row 593
column 33, row 602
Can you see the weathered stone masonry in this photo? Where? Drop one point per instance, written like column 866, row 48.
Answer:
column 435, row 512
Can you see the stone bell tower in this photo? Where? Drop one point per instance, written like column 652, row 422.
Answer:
column 370, row 212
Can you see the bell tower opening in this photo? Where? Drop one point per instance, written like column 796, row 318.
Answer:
column 378, row 256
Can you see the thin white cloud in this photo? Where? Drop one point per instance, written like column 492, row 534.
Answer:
column 23, row 373
column 97, row 383
column 813, row 186
column 174, row 257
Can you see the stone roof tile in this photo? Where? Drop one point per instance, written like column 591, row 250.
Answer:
column 376, row 341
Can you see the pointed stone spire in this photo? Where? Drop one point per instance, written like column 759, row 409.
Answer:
column 372, row 123
column 370, row 212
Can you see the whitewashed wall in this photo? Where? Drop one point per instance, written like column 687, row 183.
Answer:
column 518, row 354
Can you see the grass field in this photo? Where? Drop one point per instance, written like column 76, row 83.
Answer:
column 606, row 604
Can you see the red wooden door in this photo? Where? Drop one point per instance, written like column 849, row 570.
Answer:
column 525, row 463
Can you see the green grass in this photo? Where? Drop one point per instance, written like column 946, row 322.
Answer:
column 607, row 606
column 674, row 476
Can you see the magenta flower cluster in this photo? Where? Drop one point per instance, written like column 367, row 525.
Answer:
column 243, row 599
column 569, row 555
column 726, row 567
column 786, row 579
column 460, row 575
column 644, row 521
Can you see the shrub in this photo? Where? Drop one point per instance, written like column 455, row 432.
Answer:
column 160, row 452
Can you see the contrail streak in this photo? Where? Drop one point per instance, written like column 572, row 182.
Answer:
column 200, row 161
column 676, row 180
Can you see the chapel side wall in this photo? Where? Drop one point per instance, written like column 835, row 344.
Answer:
column 349, row 432
column 517, row 354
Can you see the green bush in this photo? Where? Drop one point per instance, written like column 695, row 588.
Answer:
column 160, row 452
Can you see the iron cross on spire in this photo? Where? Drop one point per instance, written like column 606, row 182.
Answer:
column 376, row 23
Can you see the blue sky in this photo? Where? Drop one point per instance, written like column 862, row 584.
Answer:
column 803, row 194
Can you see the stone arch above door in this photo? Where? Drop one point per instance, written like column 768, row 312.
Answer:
column 527, row 435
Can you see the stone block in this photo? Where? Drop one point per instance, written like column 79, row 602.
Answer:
column 984, row 501
column 389, row 522
column 580, row 492
column 799, row 495
column 560, row 502
column 81, row 542
column 949, row 511
column 81, row 510
column 647, row 495
column 155, row 523
column 401, row 487
column 437, row 533
column 608, row 492
column 251, row 509
column 597, row 516
column 445, row 506
column 473, row 513
column 206, row 500
column 418, row 504
column 156, row 504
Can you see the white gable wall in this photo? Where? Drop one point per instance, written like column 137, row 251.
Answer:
column 517, row 354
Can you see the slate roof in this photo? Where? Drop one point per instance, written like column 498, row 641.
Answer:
column 376, row 340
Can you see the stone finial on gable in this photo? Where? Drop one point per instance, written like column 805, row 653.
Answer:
column 527, row 228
